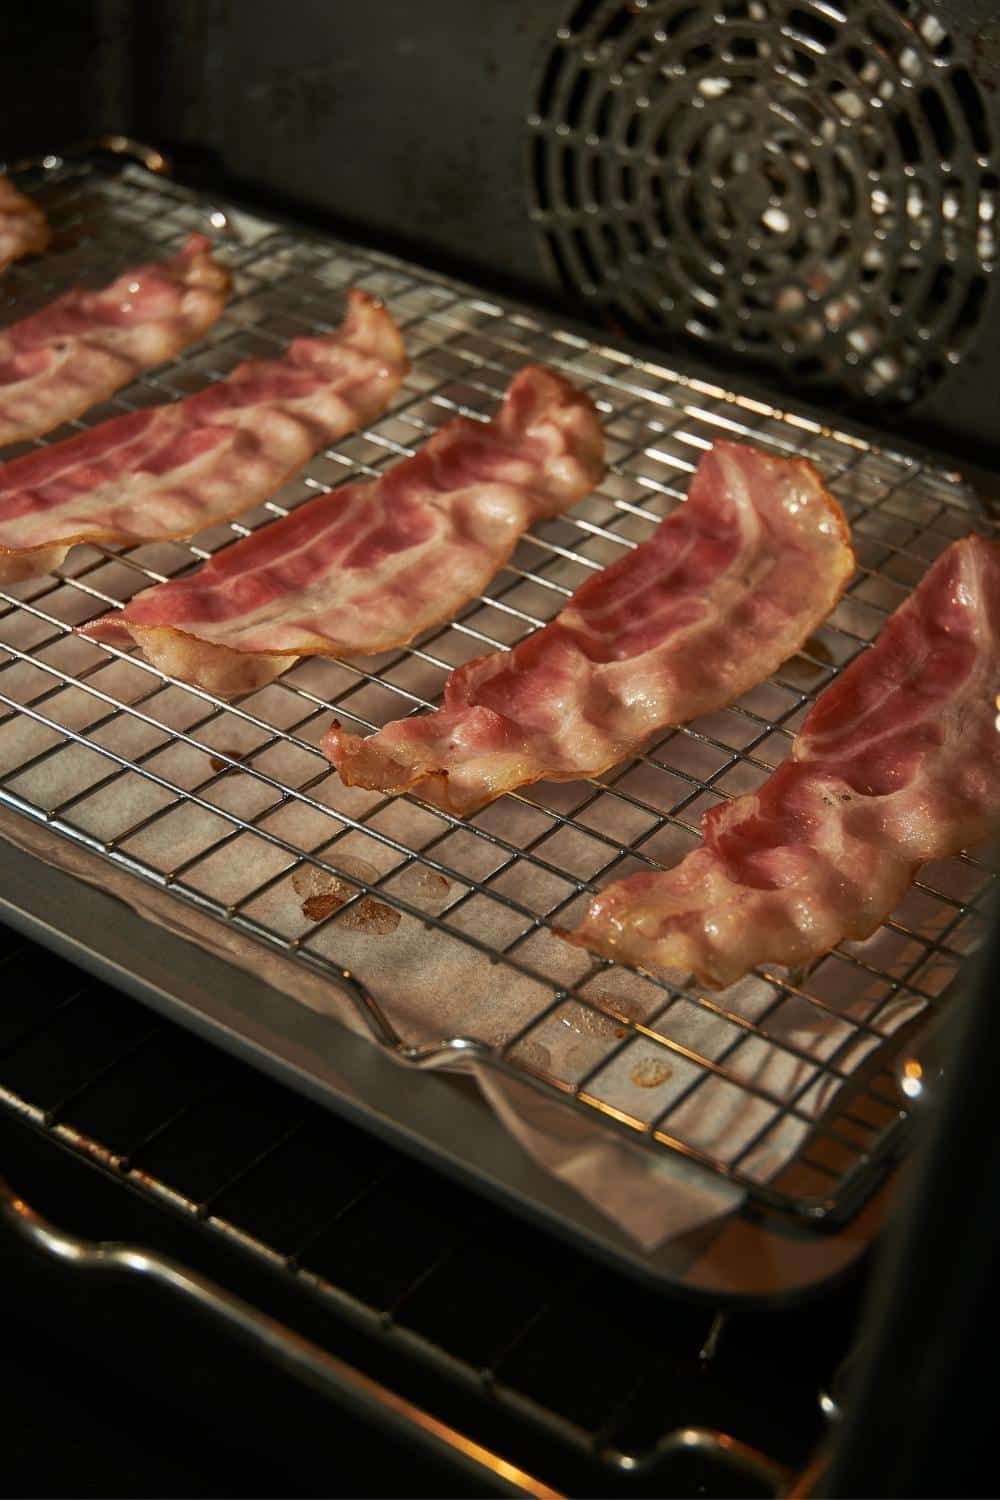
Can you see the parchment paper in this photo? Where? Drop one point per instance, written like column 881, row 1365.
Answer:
column 652, row 1200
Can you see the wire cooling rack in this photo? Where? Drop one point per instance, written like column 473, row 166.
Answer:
column 777, row 1084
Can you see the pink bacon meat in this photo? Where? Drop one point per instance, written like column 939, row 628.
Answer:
column 724, row 591
column 897, row 763
column 24, row 229
column 370, row 565
column 170, row 471
column 83, row 347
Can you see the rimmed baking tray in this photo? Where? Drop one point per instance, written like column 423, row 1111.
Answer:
column 776, row 1087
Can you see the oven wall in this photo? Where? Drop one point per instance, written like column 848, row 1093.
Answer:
column 65, row 73
column 407, row 125
column 403, row 119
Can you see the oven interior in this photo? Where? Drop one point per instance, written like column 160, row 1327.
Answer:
column 125, row 1124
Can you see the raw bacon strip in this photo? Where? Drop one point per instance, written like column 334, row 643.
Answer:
column 83, row 347
column 897, row 763
column 24, row 229
column 368, row 566
column 723, row 592
column 169, row 471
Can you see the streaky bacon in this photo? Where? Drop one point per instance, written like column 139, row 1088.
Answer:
column 170, row 471
column 24, row 229
column 84, row 346
column 372, row 564
column 897, row 763
column 727, row 587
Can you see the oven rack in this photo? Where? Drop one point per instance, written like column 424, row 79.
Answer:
column 534, row 858
column 631, row 1387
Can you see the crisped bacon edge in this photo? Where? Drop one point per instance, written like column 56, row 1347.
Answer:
column 33, row 235
column 367, row 326
column 215, row 669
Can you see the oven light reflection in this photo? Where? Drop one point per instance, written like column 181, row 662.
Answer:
column 912, row 1082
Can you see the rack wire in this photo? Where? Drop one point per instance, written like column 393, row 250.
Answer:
column 310, row 1195
column 777, row 1084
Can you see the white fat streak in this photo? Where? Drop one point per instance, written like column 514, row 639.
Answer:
column 359, row 608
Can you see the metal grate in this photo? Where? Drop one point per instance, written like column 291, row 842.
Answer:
column 232, row 807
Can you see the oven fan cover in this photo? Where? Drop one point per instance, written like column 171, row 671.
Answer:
column 807, row 186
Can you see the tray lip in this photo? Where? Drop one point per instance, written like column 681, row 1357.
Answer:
column 107, row 937
column 140, row 161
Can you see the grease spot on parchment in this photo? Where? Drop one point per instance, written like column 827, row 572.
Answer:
column 417, row 880
column 533, row 1055
column 650, row 1073
column 595, row 1023
column 324, row 892
column 219, row 764
column 372, row 916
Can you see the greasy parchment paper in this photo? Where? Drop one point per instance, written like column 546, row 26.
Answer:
column 652, row 1200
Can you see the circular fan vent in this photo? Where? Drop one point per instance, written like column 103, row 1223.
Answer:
column 806, row 184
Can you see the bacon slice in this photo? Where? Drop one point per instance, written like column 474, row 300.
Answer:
column 897, row 763
column 370, row 565
column 83, row 347
column 24, row 229
column 724, row 591
column 169, row 471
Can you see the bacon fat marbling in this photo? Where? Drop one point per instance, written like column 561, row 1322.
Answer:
column 372, row 564
column 170, row 471
column 897, row 763
column 727, row 587
column 84, row 346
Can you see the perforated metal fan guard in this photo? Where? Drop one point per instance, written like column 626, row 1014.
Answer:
column 807, row 185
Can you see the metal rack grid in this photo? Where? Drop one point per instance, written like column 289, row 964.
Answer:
column 191, row 793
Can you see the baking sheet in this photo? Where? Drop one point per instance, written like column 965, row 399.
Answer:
column 448, row 925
